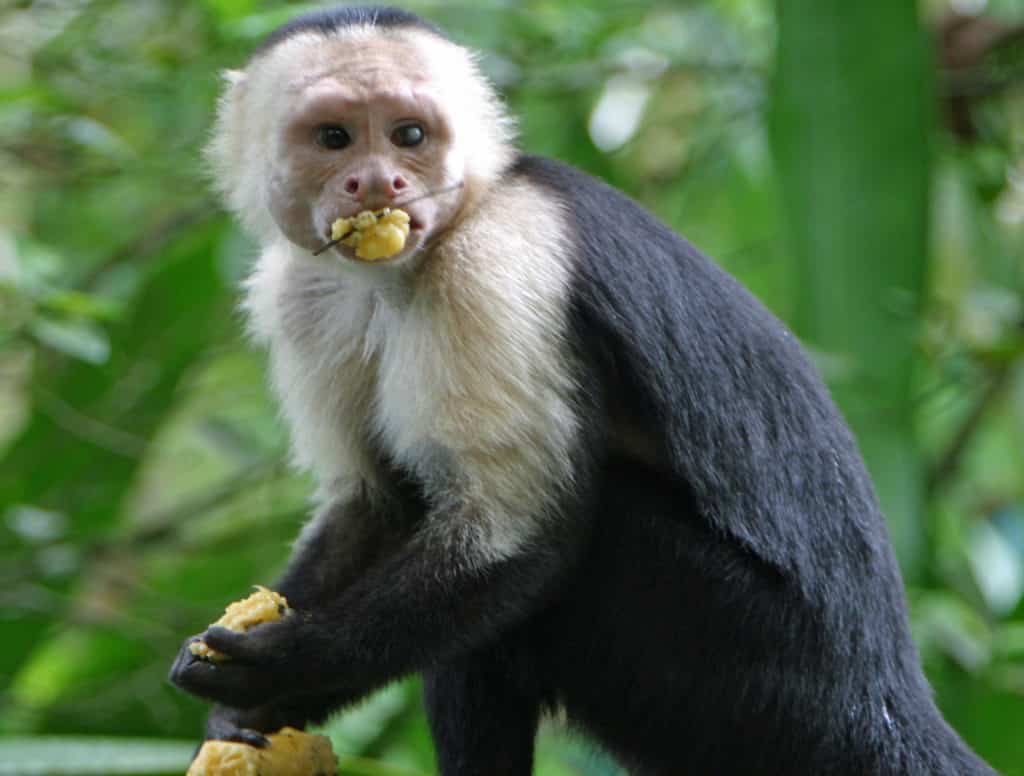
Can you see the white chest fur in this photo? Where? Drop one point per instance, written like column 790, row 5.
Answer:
column 468, row 358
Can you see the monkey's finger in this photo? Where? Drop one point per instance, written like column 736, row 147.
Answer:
column 230, row 683
column 191, row 673
column 227, row 724
column 243, row 736
column 256, row 645
column 182, row 661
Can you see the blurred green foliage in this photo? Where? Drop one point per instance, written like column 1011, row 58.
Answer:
column 859, row 167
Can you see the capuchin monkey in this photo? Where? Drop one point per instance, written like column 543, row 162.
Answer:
column 564, row 460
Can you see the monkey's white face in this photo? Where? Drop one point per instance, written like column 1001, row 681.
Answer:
column 321, row 128
column 368, row 135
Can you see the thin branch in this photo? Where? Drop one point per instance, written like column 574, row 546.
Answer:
column 164, row 525
column 949, row 462
column 979, row 81
column 89, row 429
column 151, row 240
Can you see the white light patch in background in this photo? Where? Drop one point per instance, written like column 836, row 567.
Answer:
column 1010, row 208
column 996, row 568
column 8, row 257
column 617, row 114
column 969, row 7
column 36, row 525
column 616, row 117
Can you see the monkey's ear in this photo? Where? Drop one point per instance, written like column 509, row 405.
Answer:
column 235, row 88
column 236, row 153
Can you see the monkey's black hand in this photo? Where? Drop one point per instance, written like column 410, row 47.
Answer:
column 245, row 726
column 262, row 664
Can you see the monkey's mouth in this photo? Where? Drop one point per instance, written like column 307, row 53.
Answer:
column 351, row 252
column 414, row 224
column 353, row 240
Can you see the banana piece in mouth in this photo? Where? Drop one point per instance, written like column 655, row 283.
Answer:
column 374, row 235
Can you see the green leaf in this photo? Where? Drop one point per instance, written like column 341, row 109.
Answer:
column 987, row 718
column 81, row 305
column 73, row 338
column 851, row 127
column 82, row 756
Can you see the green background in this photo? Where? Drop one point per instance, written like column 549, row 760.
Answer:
column 857, row 164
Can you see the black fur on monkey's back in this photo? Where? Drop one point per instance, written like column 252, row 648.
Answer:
column 738, row 609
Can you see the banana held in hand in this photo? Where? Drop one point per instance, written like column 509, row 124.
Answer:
column 290, row 753
column 262, row 606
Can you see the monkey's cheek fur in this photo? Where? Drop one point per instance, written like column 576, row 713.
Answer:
column 290, row 753
column 262, row 606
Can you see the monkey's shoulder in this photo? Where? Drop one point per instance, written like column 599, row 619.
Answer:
column 635, row 274
column 621, row 245
column 602, row 214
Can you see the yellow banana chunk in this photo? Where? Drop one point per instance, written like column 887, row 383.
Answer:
column 340, row 228
column 396, row 217
column 291, row 753
column 381, row 241
column 262, row 606
column 364, row 220
column 374, row 235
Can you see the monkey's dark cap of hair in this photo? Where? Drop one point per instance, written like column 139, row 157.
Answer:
column 334, row 19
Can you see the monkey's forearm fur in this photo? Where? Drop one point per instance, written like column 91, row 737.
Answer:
column 565, row 460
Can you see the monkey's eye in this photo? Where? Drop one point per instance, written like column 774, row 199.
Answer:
column 332, row 136
column 408, row 135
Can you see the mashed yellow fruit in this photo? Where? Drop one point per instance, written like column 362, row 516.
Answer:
column 374, row 235
column 291, row 753
column 262, row 606
column 340, row 228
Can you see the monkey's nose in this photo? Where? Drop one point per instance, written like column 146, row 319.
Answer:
column 367, row 187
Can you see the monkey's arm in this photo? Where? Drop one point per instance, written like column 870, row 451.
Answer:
column 437, row 596
column 342, row 542
column 338, row 545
